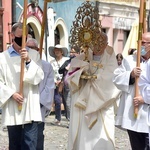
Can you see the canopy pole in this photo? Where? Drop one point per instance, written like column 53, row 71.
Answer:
column 43, row 26
column 23, row 46
column 144, row 18
column 141, row 16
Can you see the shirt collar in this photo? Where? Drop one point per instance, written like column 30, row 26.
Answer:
column 13, row 52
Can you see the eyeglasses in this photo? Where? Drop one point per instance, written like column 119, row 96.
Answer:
column 143, row 42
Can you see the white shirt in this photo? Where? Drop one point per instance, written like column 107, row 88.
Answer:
column 56, row 65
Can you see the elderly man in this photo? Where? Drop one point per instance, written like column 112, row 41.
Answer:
column 22, row 124
column 46, row 89
column 124, row 79
column 92, row 111
column 144, row 81
column 59, row 53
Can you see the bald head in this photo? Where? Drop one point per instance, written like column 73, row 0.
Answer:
column 146, row 37
column 103, row 42
column 146, row 44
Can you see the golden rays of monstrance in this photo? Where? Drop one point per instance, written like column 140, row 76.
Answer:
column 86, row 28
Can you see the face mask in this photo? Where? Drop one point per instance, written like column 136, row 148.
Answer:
column 18, row 40
column 143, row 51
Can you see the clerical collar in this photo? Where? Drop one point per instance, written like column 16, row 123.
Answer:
column 142, row 59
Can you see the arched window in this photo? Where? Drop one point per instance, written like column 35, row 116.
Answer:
column 31, row 31
column 57, row 36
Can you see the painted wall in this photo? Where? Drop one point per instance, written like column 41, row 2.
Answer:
column 113, row 18
column 68, row 14
column 66, row 10
column 106, row 23
column 7, row 19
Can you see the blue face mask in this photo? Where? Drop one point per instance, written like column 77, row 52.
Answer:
column 143, row 51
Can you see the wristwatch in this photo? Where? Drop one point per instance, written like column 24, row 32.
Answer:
column 27, row 62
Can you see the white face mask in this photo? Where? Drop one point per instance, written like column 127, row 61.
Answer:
column 143, row 51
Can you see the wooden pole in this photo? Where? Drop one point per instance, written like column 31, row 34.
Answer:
column 136, row 108
column 23, row 46
column 144, row 18
column 43, row 26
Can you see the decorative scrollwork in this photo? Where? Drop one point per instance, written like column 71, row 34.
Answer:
column 86, row 28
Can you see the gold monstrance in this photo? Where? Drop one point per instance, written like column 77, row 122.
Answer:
column 86, row 31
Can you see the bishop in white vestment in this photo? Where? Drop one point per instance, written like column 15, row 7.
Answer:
column 92, row 109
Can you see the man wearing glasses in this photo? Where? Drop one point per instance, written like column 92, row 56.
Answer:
column 144, row 81
column 145, row 51
column 124, row 79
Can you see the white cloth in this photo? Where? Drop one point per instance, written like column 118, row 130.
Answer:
column 92, row 112
column 46, row 88
column 9, row 84
column 144, row 85
column 125, row 116
column 56, row 65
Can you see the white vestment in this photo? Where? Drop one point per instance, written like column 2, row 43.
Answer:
column 92, row 111
column 144, row 85
column 125, row 116
column 9, row 84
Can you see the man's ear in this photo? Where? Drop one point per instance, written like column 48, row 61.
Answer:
column 12, row 36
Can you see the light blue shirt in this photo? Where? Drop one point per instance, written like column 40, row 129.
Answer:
column 13, row 52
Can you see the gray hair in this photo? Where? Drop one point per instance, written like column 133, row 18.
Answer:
column 33, row 40
column 18, row 25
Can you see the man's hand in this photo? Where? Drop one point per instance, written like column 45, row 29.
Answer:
column 24, row 55
column 67, row 67
column 138, row 100
column 18, row 98
column 136, row 72
column 58, row 82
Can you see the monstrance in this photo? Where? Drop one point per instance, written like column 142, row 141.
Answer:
column 86, row 31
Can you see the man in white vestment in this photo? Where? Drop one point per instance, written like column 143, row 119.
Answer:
column 22, row 124
column 124, row 79
column 46, row 88
column 92, row 111
column 144, row 81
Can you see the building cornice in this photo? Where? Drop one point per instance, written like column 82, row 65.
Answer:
column 112, row 9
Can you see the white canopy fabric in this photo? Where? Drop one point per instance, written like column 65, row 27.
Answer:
column 132, row 41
